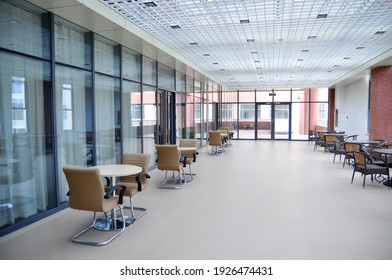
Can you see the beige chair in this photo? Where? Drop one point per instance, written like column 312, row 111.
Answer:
column 189, row 156
column 215, row 142
column 320, row 140
column 86, row 192
column 363, row 163
column 169, row 159
column 135, row 183
column 224, row 136
column 349, row 148
column 329, row 142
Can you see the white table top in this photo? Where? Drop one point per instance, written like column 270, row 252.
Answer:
column 113, row 170
column 363, row 141
column 186, row 149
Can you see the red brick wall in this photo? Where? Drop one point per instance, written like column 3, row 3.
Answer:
column 381, row 103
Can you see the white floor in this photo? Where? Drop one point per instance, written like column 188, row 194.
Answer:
column 272, row 200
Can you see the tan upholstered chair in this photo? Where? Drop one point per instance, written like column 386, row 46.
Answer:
column 338, row 149
column 135, row 183
column 169, row 159
column 86, row 192
column 329, row 142
column 215, row 142
column 349, row 148
column 224, row 135
column 363, row 163
column 320, row 140
column 189, row 156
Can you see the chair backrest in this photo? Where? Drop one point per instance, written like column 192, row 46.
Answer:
column 350, row 147
column 86, row 190
column 138, row 159
column 168, row 157
column 320, row 135
column 190, row 155
column 329, row 138
column 359, row 158
column 214, row 138
column 188, row 143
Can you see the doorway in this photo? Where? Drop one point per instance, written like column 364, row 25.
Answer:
column 272, row 121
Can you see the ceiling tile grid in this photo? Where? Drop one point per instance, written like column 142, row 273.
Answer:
column 273, row 43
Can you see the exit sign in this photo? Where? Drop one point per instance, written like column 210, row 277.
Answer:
column 272, row 94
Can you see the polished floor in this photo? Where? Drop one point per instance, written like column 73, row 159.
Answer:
column 271, row 200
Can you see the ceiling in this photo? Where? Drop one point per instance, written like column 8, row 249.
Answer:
column 248, row 44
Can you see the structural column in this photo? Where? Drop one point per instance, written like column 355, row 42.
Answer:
column 381, row 103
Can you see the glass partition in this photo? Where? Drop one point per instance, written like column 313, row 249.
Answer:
column 149, row 115
column 107, row 119
column 131, row 112
column 27, row 185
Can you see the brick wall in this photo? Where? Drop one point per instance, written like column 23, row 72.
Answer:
column 381, row 103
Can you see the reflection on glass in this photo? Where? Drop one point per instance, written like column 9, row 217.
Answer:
column 107, row 106
column 149, row 121
column 74, row 121
column 131, row 117
column 26, row 151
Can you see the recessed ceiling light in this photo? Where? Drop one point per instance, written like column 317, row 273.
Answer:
column 150, row 4
column 215, row 63
column 322, row 15
column 336, row 65
column 222, row 70
column 305, row 50
column 300, row 59
column 12, row 21
column 194, row 44
column 244, row 21
column 253, row 52
column 257, row 60
column 347, row 57
column 206, row 54
column 380, row 32
column 175, row 26
column 250, row 40
column 312, row 37
column 360, row 48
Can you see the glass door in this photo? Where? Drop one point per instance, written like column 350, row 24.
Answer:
column 281, row 120
column 264, row 121
column 272, row 120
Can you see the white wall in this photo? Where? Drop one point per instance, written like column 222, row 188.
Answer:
column 352, row 103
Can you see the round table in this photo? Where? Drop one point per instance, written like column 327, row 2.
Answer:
column 113, row 171
column 386, row 152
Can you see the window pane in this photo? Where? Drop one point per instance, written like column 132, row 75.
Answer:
column 74, row 121
column 26, row 151
column 72, row 44
column 131, row 117
column 131, row 65
column 107, row 57
column 149, row 71
column 24, row 31
column 107, row 106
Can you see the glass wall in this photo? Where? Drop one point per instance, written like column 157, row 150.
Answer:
column 26, row 140
column 80, row 106
column 276, row 114
column 27, row 177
